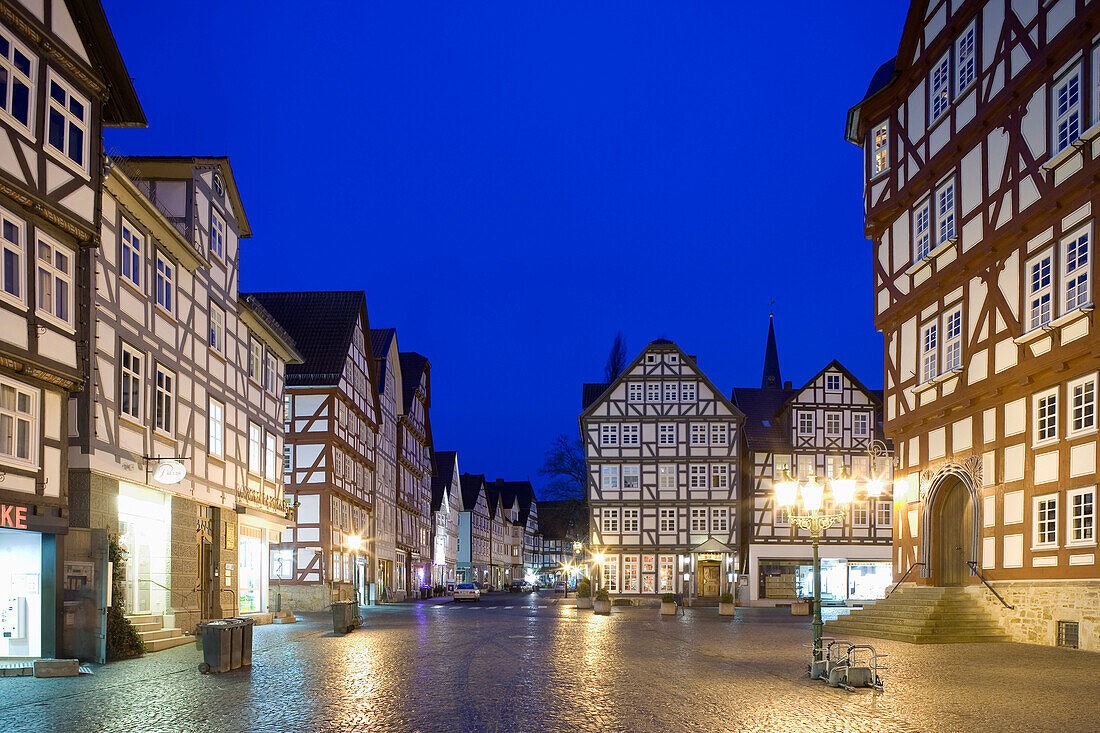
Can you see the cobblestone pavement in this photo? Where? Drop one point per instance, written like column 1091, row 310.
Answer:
column 531, row 663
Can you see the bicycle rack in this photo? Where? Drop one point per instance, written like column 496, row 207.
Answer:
column 862, row 669
column 840, row 663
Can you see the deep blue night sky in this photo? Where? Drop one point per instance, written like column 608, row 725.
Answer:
column 511, row 183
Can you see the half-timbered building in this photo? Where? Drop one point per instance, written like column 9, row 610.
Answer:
column 827, row 425
column 446, row 506
column 473, row 530
column 662, row 450
column 981, row 153
column 415, row 466
column 64, row 80
column 174, row 439
column 332, row 409
column 391, row 571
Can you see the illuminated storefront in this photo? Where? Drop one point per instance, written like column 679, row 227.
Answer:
column 145, row 527
column 842, row 580
column 21, row 597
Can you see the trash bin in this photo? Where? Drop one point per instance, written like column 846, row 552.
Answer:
column 217, row 645
column 342, row 620
column 246, row 640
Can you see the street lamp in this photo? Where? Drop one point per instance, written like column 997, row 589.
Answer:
column 813, row 518
column 355, row 544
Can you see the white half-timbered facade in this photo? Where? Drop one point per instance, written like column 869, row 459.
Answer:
column 825, row 426
column 392, row 564
column 415, row 467
column 473, row 530
column 662, row 447
column 329, row 461
column 981, row 153
column 57, row 61
column 446, row 506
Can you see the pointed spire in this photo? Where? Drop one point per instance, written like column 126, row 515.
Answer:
column 771, row 378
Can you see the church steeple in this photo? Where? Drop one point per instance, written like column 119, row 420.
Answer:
column 771, row 378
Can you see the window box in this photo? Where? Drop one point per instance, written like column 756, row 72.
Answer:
column 928, row 258
column 1071, row 149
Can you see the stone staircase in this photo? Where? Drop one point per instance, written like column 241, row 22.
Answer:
column 921, row 615
column 151, row 630
column 284, row 617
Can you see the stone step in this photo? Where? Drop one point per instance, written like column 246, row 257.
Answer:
column 157, row 645
column 290, row 619
column 916, row 627
column 146, row 621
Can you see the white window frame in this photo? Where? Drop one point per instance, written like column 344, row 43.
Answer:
column 24, row 78
column 1050, row 521
column 808, row 462
column 132, row 378
column 698, row 476
column 719, row 519
column 1066, row 112
column 966, row 51
column 782, row 517
column 255, row 358
column 166, row 284
column 609, row 435
column 631, row 434
column 952, row 340
column 666, row 571
column 14, row 419
column 861, row 424
column 929, row 351
column 216, row 339
column 719, row 434
column 699, row 520
column 831, row 416
column 217, row 235
column 132, row 256
column 635, row 392
column 698, row 434
column 271, row 369
column 609, row 521
column 69, row 120
column 632, row 470
column 1088, row 519
column 609, row 478
column 666, row 477
column 880, row 148
column 164, row 400
column 56, row 277
column 1039, row 278
column 939, row 89
column 1081, row 406
column 215, row 439
column 670, row 393
column 806, row 423
column 884, row 513
column 1077, row 273
column 1045, row 417
column 255, row 449
column 13, row 256
column 687, row 392
column 653, row 392
column 270, row 470
column 667, row 521
column 831, row 379
column 861, row 514
column 630, row 521
column 946, row 202
column 922, row 230
column 666, row 434
column 719, row 476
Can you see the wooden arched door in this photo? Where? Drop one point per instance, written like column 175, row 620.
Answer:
column 954, row 518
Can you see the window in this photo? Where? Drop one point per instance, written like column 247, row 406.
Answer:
column 255, row 449
column 861, row 424
column 631, row 434
column 719, row 476
column 806, row 466
column 860, row 514
column 55, row 278
column 17, row 68
column 635, row 392
column 630, row 520
column 698, row 520
column 269, row 372
column 67, row 122
column 1046, row 521
column 288, row 415
column 165, row 282
column 1076, row 273
column 18, row 422
column 945, row 212
column 630, row 574
column 699, row 434
column 665, row 569
column 832, row 424
column 952, row 347
column 667, row 477
column 687, row 391
column 163, row 401
column 215, row 440
column 1038, row 292
column 1082, row 513
column 719, row 519
column 611, row 574
column 610, row 520
column 631, row 478
column 884, row 513
column 130, row 389
column 1046, row 416
column 922, row 227
column 1082, row 395
column 217, row 235
column 672, row 392
column 609, row 434
column 610, row 478
column 650, row 358
column 939, row 88
column 1066, row 104
column 929, row 356
column 668, row 521
column 880, row 149
column 217, row 329
column 861, row 467
column 833, row 466
column 269, row 456
column 255, row 357
column 964, row 60
column 652, row 391
column 11, row 254
column 666, row 434
column 282, row 564
column 782, row 517
column 832, row 382
column 719, row 434
column 698, row 476
column 131, row 254
column 805, row 423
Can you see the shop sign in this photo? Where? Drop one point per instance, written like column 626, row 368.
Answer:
column 169, row 472
column 13, row 517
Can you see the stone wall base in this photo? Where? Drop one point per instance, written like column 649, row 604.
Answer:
column 312, row 597
column 1040, row 605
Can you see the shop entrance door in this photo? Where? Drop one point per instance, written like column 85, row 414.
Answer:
column 208, row 586
column 708, row 580
column 144, row 519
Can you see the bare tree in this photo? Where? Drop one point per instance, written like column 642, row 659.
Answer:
column 564, row 464
column 616, row 360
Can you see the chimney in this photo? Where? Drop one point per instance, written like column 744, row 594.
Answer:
column 693, row 358
column 786, row 385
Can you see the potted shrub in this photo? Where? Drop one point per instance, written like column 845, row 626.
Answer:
column 602, row 602
column 726, row 605
column 668, row 605
column 584, row 593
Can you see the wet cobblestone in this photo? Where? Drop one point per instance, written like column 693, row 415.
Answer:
column 526, row 663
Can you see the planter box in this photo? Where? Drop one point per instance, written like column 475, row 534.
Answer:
column 800, row 608
column 584, row 601
column 726, row 609
column 668, row 609
column 602, row 607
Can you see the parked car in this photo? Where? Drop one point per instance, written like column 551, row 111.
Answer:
column 521, row 586
column 466, row 592
column 559, row 587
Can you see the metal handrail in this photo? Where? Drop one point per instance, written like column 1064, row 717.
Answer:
column 902, row 579
column 974, row 569
column 181, row 593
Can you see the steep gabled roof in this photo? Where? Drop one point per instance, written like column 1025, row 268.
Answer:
column 592, row 392
column 441, row 481
column 380, row 339
column 765, row 428
column 412, row 366
column 492, row 498
column 122, row 107
column 835, row 365
column 181, row 167
column 472, row 485
column 322, row 325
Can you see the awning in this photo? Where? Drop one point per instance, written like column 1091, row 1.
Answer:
column 711, row 545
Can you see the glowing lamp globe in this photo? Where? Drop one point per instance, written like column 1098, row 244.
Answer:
column 812, row 493
column 786, row 491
